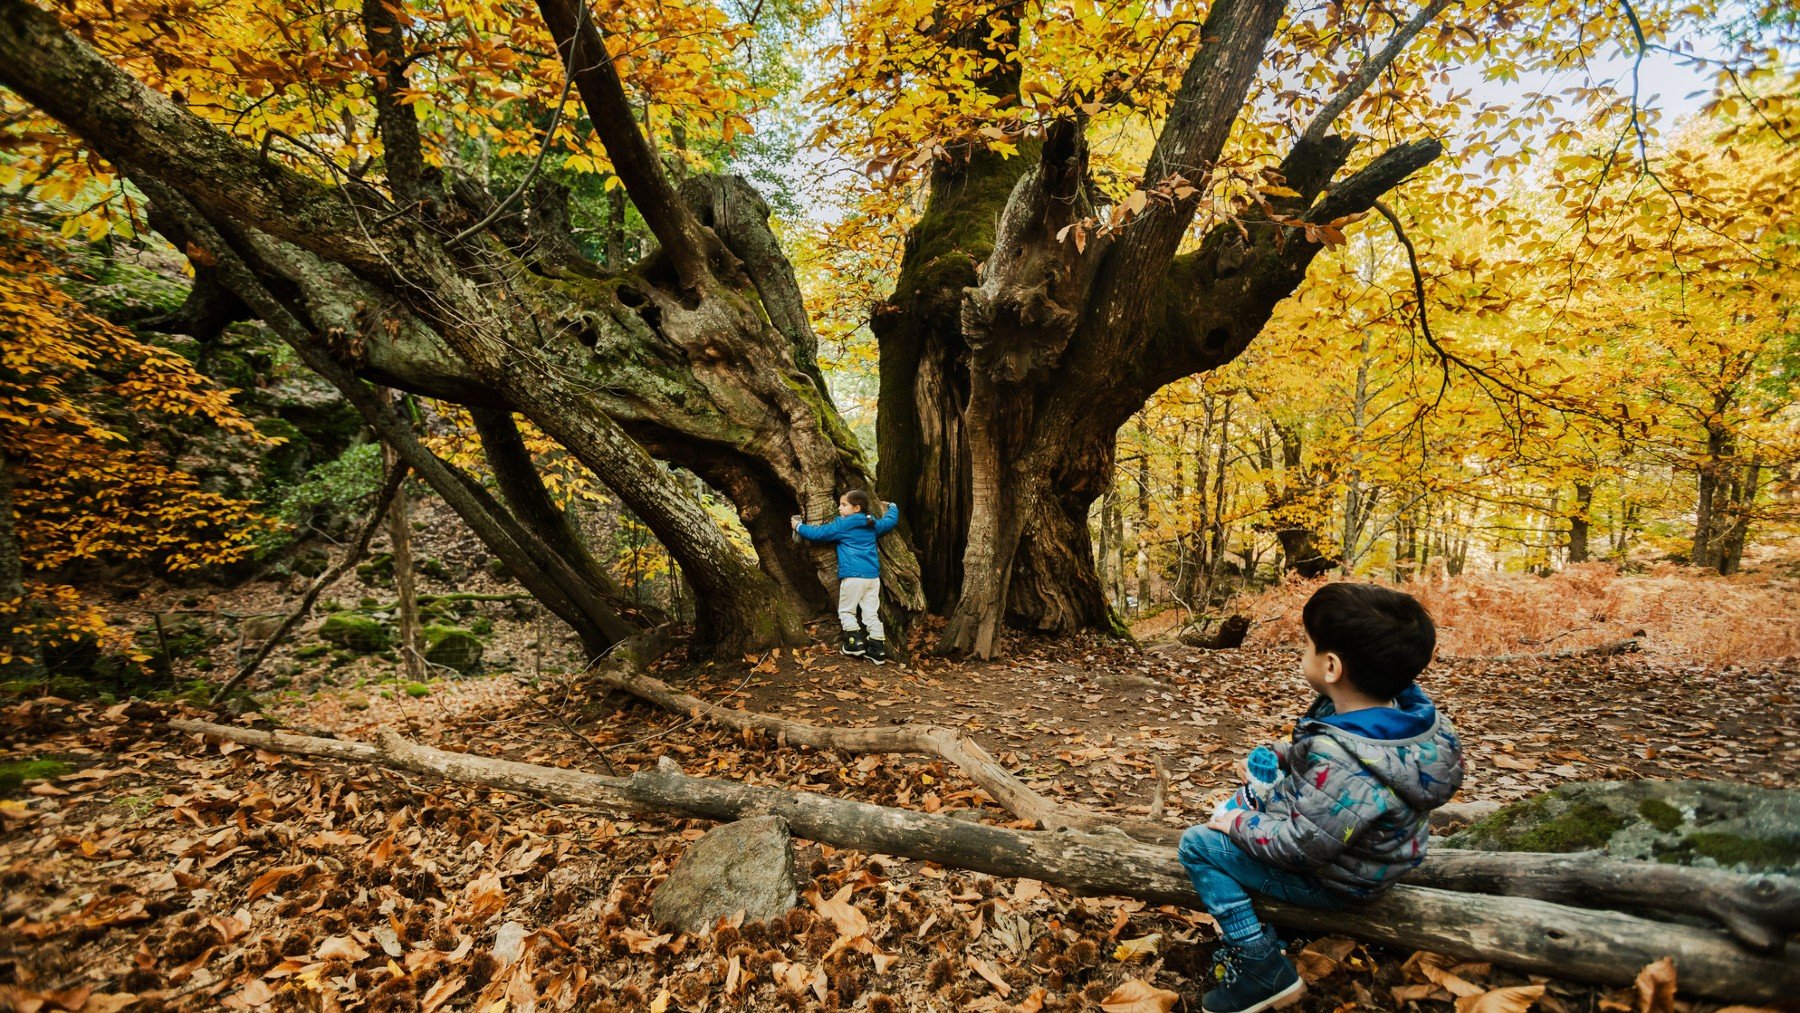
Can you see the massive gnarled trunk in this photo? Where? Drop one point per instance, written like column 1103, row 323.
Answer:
column 700, row 355
column 1011, row 354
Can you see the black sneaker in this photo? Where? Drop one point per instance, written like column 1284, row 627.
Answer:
column 853, row 645
column 1252, row 979
column 876, row 650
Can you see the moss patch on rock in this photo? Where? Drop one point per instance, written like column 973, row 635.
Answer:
column 354, row 632
column 1718, row 824
column 453, row 647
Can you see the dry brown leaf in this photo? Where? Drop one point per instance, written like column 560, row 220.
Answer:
column 1026, row 891
column 1034, row 1002
column 1335, row 947
column 268, row 881
column 1516, row 999
column 341, row 947
column 849, row 920
column 68, row 998
column 980, row 967
column 734, row 975
column 639, row 941
column 110, row 1002
column 440, row 993
column 257, row 993
column 1656, row 987
column 1314, row 965
column 1413, row 993
column 1135, row 996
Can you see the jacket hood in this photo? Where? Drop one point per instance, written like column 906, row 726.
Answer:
column 1424, row 769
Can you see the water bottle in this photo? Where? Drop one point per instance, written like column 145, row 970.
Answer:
column 1265, row 772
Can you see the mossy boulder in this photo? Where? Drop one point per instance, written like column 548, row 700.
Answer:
column 453, row 647
column 1719, row 824
column 354, row 632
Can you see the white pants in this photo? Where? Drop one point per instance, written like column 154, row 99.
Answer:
column 863, row 593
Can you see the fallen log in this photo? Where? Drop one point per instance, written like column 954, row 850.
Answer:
column 1531, row 935
column 1759, row 911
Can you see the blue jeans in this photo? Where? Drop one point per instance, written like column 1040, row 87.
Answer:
column 1224, row 877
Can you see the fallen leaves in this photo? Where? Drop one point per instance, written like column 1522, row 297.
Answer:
column 268, row 881
column 1516, row 999
column 1138, row 996
column 1655, row 987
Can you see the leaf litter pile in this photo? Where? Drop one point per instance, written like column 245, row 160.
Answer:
column 164, row 873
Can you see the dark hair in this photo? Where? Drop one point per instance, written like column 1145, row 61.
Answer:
column 1384, row 637
column 862, row 501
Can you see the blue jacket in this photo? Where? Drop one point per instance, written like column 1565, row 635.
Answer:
column 855, row 538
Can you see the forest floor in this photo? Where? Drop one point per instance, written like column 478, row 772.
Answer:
column 159, row 872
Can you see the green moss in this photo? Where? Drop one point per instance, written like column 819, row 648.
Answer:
column 1735, row 849
column 355, row 632
column 956, row 232
column 417, row 689
column 311, row 651
column 1660, row 814
column 1530, row 826
column 15, row 773
column 452, row 647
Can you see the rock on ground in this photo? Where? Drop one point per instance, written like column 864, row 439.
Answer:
column 1721, row 824
column 745, row 866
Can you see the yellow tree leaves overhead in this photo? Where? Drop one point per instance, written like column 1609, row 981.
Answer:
column 81, row 402
column 295, row 80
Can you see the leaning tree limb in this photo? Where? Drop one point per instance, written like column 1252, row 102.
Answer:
column 390, row 488
column 1758, row 910
column 1531, row 935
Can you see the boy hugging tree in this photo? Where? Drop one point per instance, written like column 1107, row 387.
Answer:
column 1342, row 808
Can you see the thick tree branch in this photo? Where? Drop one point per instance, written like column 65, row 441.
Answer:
column 1389, row 169
column 523, row 489
column 397, row 121
column 1210, row 99
column 1371, row 69
column 137, row 128
column 543, row 573
column 688, row 247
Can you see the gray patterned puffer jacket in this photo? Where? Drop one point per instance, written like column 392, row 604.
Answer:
column 1353, row 810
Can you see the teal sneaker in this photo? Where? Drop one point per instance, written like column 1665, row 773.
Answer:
column 1253, row 978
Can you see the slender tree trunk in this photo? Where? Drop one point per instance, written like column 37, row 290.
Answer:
column 400, row 538
column 1578, row 522
column 1745, row 486
column 1143, row 546
column 15, row 610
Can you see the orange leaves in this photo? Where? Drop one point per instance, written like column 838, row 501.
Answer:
column 1135, row 996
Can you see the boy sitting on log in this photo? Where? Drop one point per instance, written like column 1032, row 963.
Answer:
column 1341, row 811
